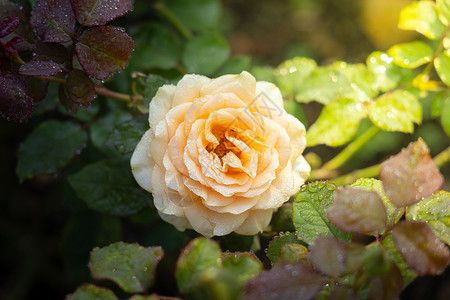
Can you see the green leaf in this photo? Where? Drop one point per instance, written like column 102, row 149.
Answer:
column 310, row 218
column 199, row 256
column 92, row 292
column 442, row 65
column 422, row 17
column 420, row 247
column 411, row 55
column 396, row 111
column 48, row 148
column 371, row 184
column 294, row 108
column 436, row 211
column 291, row 253
column 278, row 242
column 152, row 84
column 290, row 74
column 337, row 123
column 131, row 266
column 395, row 255
column 243, row 265
column 80, row 88
column 387, row 75
column 205, row 54
column 127, row 135
column 445, row 117
column 235, row 65
column 282, row 219
column 109, row 187
column 141, row 297
column 358, row 211
column 443, row 10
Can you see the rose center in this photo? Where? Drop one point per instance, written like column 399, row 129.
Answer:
column 225, row 145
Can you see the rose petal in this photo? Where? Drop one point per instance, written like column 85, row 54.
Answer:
column 142, row 163
column 160, row 104
column 188, row 88
column 242, row 85
column 257, row 221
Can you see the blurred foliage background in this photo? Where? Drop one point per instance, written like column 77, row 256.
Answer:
column 46, row 233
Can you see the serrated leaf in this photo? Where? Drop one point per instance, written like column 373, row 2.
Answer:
column 442, row 65
column 50, row 51
column 126, row 136
column 337, row 123
column 243, row 265
column 199, row 256
column 310, row 218
column 396, row 111
column 131, row 266
column 205, row 53
column 15, row 104
column 152, row 84
column 436, row 211
column 69, row 105
column 445, row 117
column 291, row 281
column 38, row 67
column 104, row 50
column 358, row 211
column 328, row 255
column 422, row 17
column 278, row 242
column 49, row 147
column 80, row 88
column 371, row 184
column 92, row 292
column 290, row 74
column 290, row 254
column 7, row 9
column 443, row 10
column 422, row 250
column 8, row 25
column 411, row 55
column 53, row 20
column 109, row 187
column 410, row 175
column 99, row 12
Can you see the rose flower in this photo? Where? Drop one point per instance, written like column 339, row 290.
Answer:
column 221, row 155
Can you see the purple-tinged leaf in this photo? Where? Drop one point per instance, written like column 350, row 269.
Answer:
column 8, row 25
column 291, row 281
column 99, row 12
column 422, row 250
column 36, row 89
column 70, row 105
column 10, row 46
column 290, row 254
column 15, row 104
column 328, row 255
column 410, row 175
column 104, row 50
column 80, row 88
column 386, row 286
column 50, row 51
column 40, row 68
column 5, row 63
column 53, row 20
column 359, row 211
column 8, row 9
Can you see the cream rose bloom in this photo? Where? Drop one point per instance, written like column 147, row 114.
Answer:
column 221, row 155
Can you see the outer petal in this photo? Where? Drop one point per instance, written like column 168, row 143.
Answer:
column 256, row 222
column 188, row 88
column 242, row 85
column 142, row 163
column 160, row 104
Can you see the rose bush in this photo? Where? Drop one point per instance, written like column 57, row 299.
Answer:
column 221, row 154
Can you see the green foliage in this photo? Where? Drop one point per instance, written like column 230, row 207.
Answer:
column 126, row 136
column 411, row 55
column 92, row 292
column 278, row 242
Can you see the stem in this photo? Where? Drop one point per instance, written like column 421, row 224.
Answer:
column 351, row 148
column 101, row 90
column 52, row 79
column 170, row 16
column 442, row 158
column 351, row 177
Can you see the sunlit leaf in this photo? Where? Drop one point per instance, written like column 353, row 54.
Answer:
column 109, row 187
column 131, row 266
column 15, row 104
column 387, row 75
column 290, row 74
column 436, row 211
column 445, row 117
column 291, row 281
column 291, row 253
column 410, row 175
column 328, row 255
column 359, row 211
column 80, row 88
column 422, row 250
column 411, row 55
column 310, row 217
column 443, row 10
column 104, row 50
column 337, row 123
column 205, row 53
column 38, row 67
column 422, row 16
column 92, row 292
column 53, row 20
column 243, row 265
column 99, row 12
column 50, row 146
column 396, row 111
column 278, row 242
column 442, row 65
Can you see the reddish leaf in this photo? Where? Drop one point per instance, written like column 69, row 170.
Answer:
column 104, row 50
column 70, row 106
column 422, row 250
column 410, row 175
column 40, row 68
column 14, row 102
column 100, row 12
column 291, row 281
column 328, row 255
column 386, row 286
column 5, row 63
column 50, row 51
column 53, row 20
column 8, row 25
column 7, row 9
column 36, row 89
column 356, row 210
column 10, row 46
column 80, row 88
